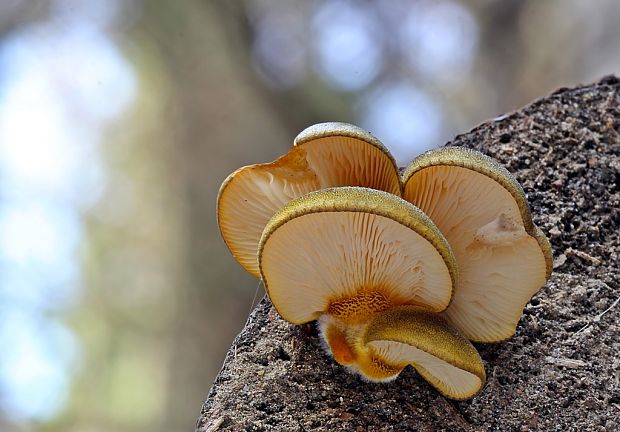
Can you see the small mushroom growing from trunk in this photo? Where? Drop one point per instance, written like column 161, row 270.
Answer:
column 397, row 270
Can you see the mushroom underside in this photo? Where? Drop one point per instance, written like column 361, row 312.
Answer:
column 251, row 195
column 331, row 252
column 501, row 264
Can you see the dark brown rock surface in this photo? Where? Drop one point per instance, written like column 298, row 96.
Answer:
column 560, row 372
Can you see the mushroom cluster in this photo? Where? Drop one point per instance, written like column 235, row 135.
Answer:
column 397, row 269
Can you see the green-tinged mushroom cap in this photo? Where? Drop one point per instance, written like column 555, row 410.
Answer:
column 408, row 335
column 439, row 353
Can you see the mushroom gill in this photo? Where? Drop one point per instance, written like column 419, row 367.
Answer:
column 352, row 252
column 503, row 258
column 324, row 155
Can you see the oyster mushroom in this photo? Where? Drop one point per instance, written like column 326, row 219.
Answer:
column 391, row 281
column 324, row 155
column 375, row 271
column 503, row 258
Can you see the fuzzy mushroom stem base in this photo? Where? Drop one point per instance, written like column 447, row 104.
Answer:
column 559, row 372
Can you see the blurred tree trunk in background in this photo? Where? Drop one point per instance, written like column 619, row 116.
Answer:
column 213, row 94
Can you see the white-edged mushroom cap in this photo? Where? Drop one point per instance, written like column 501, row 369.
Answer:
column 351, row 252
column 503, row 258
column 324, row 155
column 410, row 335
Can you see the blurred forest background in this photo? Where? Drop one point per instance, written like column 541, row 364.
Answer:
column 119, row 120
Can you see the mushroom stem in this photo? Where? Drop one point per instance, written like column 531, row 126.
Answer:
column 345, row 343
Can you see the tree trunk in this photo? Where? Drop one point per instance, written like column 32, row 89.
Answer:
column 559, row 372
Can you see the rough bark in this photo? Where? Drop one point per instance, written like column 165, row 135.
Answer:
column 559, row 372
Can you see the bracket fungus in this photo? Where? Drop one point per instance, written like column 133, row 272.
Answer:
column 397, row 270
